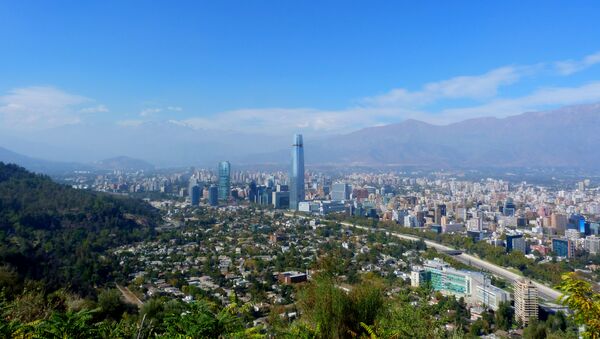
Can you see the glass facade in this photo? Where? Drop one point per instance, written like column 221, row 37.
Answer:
column 448, row 280
column 224, row 180
column 562, row 247
column 297, row 173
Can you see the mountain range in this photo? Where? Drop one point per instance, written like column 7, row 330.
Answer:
column 564, row 137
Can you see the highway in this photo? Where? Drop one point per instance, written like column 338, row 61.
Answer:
column 545, row 292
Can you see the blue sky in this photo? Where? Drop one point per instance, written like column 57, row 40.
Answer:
column 280, row 66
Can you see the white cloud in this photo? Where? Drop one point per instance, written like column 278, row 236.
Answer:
column 39, row 107
column 153, row 110
column 400, row 104
column 569, row 67
column 149, row 111
column 539, row 99
column 461, row 87
column 95, row 109
column 289, row 120
column 130, row 123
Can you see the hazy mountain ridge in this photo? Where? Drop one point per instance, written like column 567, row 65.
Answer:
column 562, row 137
column 59, row 167
column 565, row 137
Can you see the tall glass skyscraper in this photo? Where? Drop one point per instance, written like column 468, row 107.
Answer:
column 224, row 180
column 297, row 173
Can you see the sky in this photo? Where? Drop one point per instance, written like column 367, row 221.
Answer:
column 275, row 67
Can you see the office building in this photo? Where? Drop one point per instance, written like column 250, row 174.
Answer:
column 322, row 207
column 297, row 173
column 195, row 195
column 563, row 247
column 440, row 211
column 558, row 223
column 443, row 278
column 490, row 296
column 340, row 191
column 253, row 192
column 224, row 180
column 526, row 301
column 281, row 200
column 509, row 208
column 592, row 244
column 516, row 243
column 213, row 195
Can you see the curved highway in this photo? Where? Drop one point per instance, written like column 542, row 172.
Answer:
column 545, row 292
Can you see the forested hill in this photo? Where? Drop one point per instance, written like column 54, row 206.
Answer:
column 57, row 234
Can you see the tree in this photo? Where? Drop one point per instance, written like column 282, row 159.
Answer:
column 504, row 316
column 535, row 330
column 583, row 301
column 68, row 325
column 111, row 304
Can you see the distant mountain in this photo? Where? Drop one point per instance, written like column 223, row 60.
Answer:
column 164, row 144
column 39, row 165
column 124, row 163
column 566, row 137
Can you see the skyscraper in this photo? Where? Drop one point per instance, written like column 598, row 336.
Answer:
column 440, row 211
column 213, row 195
column 195, row 195
column 526, row 301
column 253, row 192
column 194, row 191
column 224, row 180
column 297, row 173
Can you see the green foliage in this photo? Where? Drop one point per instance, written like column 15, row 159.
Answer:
column 57, row 234
column 68, row 325
column 583, row 301
column 504, row 316
column 203, row 320
column 111, row 305
column 406, row 320
column 158, row 319
column 330, row 312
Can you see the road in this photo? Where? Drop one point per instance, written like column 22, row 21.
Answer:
column 545, row 292
column 130, row 297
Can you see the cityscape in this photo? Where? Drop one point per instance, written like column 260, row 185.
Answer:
column 553, row 227
column 322, row 170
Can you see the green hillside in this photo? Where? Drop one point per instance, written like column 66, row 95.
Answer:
column 57, row 234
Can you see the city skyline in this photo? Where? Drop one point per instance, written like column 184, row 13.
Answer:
column 282, row 169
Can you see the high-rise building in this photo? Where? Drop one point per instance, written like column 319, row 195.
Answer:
column 509, row 207
column 195, row 195
column 592, row 244
column 224, row 180
column 297, row 173
column 577, row 222
column 526, row 301
column 516, row 243
column 558, row 222
column 340, row 191
column 563, row 247
column 253, row 192
column 213, row 195
column 194, row 191
column 281, row 200
column 440, row 211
